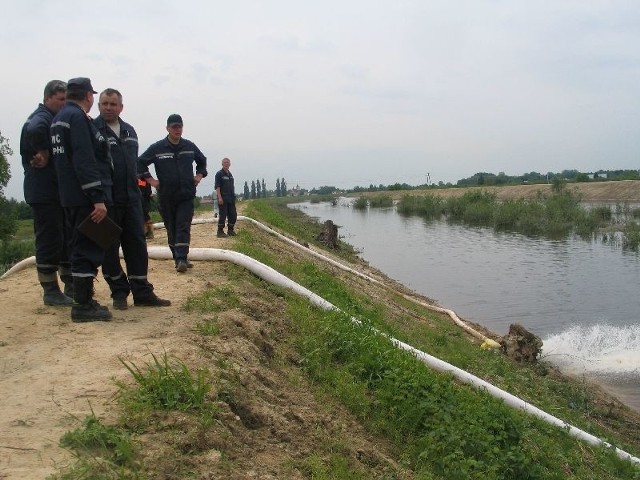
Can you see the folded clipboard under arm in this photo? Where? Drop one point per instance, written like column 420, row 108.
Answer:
column 104, row 234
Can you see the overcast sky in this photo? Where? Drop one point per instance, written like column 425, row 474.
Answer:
column 348, row 92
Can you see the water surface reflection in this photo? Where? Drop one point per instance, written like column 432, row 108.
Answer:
column 495, row 279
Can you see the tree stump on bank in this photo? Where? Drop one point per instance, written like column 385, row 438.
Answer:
column 329, row 235
column 521, row 345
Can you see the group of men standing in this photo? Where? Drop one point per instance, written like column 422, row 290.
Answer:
column 78, row 168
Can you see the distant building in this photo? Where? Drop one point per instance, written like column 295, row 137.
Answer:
column 593, row 176
column 297, row 191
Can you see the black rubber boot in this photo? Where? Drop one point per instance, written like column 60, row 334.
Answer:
column 231, row 231
column 181, row 266
column 151, row 300
column 221, row 233
column 68, row 285
column 53, row 296
column 85, row 308
column 90, row 312
column 120, row 303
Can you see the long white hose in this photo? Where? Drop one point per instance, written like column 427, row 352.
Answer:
column 269, row 274
column 273, row 276
column 21, row 265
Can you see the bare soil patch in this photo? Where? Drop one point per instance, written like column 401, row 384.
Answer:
column 54, row 370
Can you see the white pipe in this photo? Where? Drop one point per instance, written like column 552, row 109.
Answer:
column 257, row 268
column 21, row 265
column 486, row 341
column 269, row 274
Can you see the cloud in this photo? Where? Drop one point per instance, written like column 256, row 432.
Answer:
column 451, row 88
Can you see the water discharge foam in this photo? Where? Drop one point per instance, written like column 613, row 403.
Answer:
column 596, row 350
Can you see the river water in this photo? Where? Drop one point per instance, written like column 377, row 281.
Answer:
column 580, row 297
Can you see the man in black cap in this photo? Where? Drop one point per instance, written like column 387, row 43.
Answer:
column 173, row 158
column 41, row 193
column 83, row 165
column 126, row 211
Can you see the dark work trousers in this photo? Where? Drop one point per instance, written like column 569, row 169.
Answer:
column 86, row 256
column 146, row 205
column 177, row 216
column 52, row 251
column 227, row 213
column 134, row 250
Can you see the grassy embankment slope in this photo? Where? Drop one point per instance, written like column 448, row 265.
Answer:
column 392, row 318
column 313, row 395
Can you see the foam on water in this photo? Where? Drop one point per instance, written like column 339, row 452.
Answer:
column 597, row 350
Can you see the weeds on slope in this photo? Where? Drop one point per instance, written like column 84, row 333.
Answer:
column 439, row 428
column 349, row 358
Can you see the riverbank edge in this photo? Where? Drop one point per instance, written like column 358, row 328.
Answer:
column 623, row 191
column 603, row 394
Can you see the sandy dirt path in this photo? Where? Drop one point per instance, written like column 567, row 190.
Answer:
column 52, row 369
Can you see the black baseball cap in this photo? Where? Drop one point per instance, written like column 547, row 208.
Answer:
column 81, row 83
column 174, row 119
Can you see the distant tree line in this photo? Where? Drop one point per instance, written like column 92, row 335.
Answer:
column 480, row 178
column 490, row 179
column 484, row 178
column 11, row 251
column 12, row 210
column 258, row 189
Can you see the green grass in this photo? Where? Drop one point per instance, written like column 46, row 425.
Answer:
column 208, row 328
column 427, row 206
column 24, row 231
column 437, row 427
column 155, row 216
column 555, row 216
column 275, row 213
column 166, row 384
column 213, row 300
column 373, row 380
column 21, row 245
column 361, row 203
column 381, row 201
column 336, row 467
column 110, row 452
column 434, row 422
column 631, row 236
column 13, row 251
column 298, row 225
column 101, row 452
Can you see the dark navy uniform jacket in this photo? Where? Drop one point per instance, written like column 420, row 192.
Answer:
column 124, row 155
column 40, row 184
column 81, row 157
column 174, row 167
column 224, row 180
